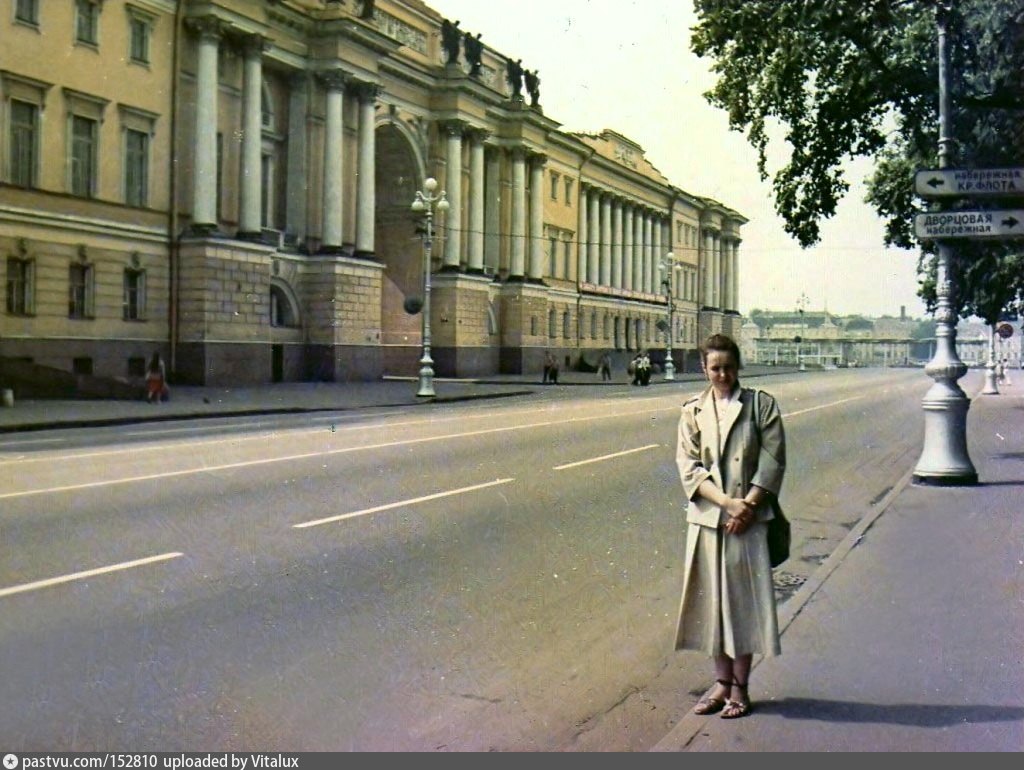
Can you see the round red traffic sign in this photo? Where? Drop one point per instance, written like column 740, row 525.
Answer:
column 1004, row 330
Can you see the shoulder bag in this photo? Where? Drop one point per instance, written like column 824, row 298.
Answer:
column 779, row 535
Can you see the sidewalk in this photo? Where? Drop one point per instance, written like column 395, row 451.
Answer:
column 910, row 636
column 296, row 397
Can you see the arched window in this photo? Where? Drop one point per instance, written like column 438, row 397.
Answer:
column 283, row 312
column 565, row 324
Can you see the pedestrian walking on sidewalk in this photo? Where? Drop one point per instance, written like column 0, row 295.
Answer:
column 731, row 463
column 550, row 368
column 604, row 366
column 156, row 380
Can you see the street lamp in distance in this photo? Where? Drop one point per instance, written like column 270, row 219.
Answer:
column 425, row 203
column 801, row 306
column 667, row 267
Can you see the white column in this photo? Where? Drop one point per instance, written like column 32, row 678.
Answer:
column 606, row 240
column 706, row 263
column 476, row 202
column 658, row 253
column 638, row 249
column 517, row 269
column 453, row 186
column 735, row 276
column 627, row 249
column 333, row 137
column 492, row 209
column 204, row 174
column 366, row 175
column 251, row 182
column 649, row 263
column 581, row 233
column 537, row 218
column 594, row 237
column 718, row 272
column 295, row 185
column 617, row 243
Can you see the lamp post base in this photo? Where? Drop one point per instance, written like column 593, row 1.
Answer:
column 944, row 460
column 426, row 388
column 991, row 386
column 670, row 369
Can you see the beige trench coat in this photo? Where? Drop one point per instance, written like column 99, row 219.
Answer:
column 728, row 601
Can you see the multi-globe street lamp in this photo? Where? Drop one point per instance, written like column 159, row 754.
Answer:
column 801, row 306
column 425, row 203
column 667, row 267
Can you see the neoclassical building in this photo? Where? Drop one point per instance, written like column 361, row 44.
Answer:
column 229, row 182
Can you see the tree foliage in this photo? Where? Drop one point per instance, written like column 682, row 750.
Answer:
column 848, row 78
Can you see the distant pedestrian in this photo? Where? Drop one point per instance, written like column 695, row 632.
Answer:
column 550, row 368
column 643, row 369
column 604, row 366
column 156, row 380
column 731, row 461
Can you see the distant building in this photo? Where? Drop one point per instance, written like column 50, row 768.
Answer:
column 821, row 339
column 229, row 183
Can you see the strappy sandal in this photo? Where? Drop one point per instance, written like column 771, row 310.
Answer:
column 734, row 709
column 708, row 705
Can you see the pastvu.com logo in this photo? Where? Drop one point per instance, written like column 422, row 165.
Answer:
column 10, row 761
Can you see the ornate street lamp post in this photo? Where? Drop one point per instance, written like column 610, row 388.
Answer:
column 801, row 306
column 944, row 459
column 425, row 202
column 667, row 267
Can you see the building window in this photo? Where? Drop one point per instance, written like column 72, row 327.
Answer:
column 567, row 257
column 533, row 326
column 80, row 291
column 24, row 143
column 606, row 327
column 551, row 323
column 83, row 156
column 27, row 11
column 566, row 331
column 568, row 192
column 139, row 32
column 134, row 294
column 553, row 256
column 20, row 286
column 136, row 168
column 87, row 17
column 554, row 185
column 282, row 313
column 593, row 324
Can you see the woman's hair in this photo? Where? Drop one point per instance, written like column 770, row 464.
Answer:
column 723, row 344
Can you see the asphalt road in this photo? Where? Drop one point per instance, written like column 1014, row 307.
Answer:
column 483, row 576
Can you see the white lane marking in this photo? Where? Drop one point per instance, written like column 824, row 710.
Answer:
column 605, row 457
column 23, row 442
column 400, row 503
column 822, row 406
column 87, row 574
column 346, row 450
column 298, row 431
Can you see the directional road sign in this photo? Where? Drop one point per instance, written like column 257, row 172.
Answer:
column 968, row 182
column 1005, row 223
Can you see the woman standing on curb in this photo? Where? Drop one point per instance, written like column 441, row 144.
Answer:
column 731, row 461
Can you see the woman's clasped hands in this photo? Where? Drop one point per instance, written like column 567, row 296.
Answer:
column 741, row 513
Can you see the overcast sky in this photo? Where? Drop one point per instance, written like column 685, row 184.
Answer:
column 627, row 65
